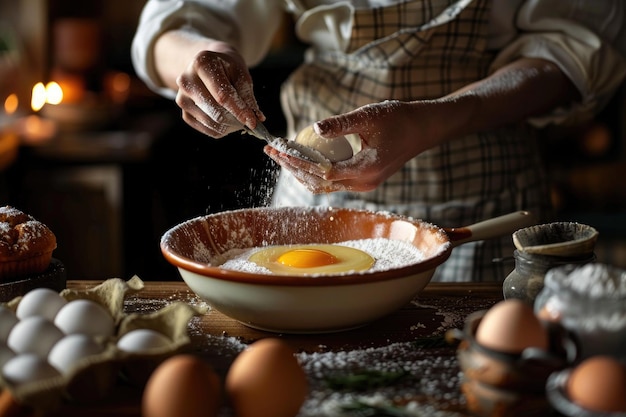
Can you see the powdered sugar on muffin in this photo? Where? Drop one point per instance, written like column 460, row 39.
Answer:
column 26, row 244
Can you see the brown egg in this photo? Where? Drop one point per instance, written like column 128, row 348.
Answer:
column 511, row 326
column 598, row 384
column 266, row 380
column 182, row 386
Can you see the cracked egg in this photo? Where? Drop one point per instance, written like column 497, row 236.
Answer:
column 312, row 259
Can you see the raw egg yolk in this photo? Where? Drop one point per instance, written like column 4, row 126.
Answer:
column 312, row 259
column 306, row 258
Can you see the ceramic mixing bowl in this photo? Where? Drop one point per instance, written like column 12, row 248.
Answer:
column 322, row 303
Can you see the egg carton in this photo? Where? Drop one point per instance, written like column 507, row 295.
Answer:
column 93, row 378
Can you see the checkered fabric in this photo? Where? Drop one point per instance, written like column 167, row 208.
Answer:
column 423, row 50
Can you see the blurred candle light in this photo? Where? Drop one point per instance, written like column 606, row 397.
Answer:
column 8, row 116
column 11, row 104
column 9, row 143
column 38, row 97
column 72, row 86
column 33, row 128
column 54, row 93
column 50, row 93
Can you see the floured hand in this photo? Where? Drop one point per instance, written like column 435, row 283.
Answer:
column 391, row 133
column 321, row 178
column 215, row 94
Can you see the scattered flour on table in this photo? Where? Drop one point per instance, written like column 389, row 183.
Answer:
column 433, row 388
column 434, row 382
column 449, row 319
column 388, row 253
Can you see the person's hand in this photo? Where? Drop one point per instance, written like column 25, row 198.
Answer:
column 391, row 133
column 215, row 94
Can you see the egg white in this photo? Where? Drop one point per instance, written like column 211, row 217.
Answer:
column 348, row 260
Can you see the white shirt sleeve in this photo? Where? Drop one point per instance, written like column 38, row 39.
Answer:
column 249, row 26
column 585, row 38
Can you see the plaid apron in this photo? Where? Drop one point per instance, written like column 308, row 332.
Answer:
column 423, row 49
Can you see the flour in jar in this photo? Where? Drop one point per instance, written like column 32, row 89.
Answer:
column 387, row 253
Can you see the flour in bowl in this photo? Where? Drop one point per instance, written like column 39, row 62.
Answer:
column 388, row 254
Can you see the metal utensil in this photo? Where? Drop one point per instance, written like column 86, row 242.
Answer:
column 289, row 146
column 261, row 132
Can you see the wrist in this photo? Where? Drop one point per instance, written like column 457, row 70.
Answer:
column 445, row 119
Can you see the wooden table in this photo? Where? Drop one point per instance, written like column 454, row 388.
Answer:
column 411, row 339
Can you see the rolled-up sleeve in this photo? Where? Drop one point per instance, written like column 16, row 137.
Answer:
column 586, row 39
column 248, row 25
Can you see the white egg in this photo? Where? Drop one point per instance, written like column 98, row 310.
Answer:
column 85, row 316
column 40, row 302
column 141, row 340
column 5, row 354
column 335, row 149
column 26, row 368
column 7, row 321
column 71, row 349
column 34, row 335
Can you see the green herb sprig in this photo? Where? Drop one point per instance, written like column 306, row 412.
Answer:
column 366, row 379
column 361, row 409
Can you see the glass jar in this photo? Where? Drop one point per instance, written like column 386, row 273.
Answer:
column 589, row 302
column 527, row 279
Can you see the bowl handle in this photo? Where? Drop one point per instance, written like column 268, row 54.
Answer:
column 491, row 228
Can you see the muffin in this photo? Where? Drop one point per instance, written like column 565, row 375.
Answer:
column 26, row 244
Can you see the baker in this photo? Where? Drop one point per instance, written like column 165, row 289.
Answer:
column 444, row 97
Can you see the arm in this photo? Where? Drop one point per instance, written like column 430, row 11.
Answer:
column 175, row 49
column 395, row 132
column 586, row 39
column 524, row 88
column 199, row 53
